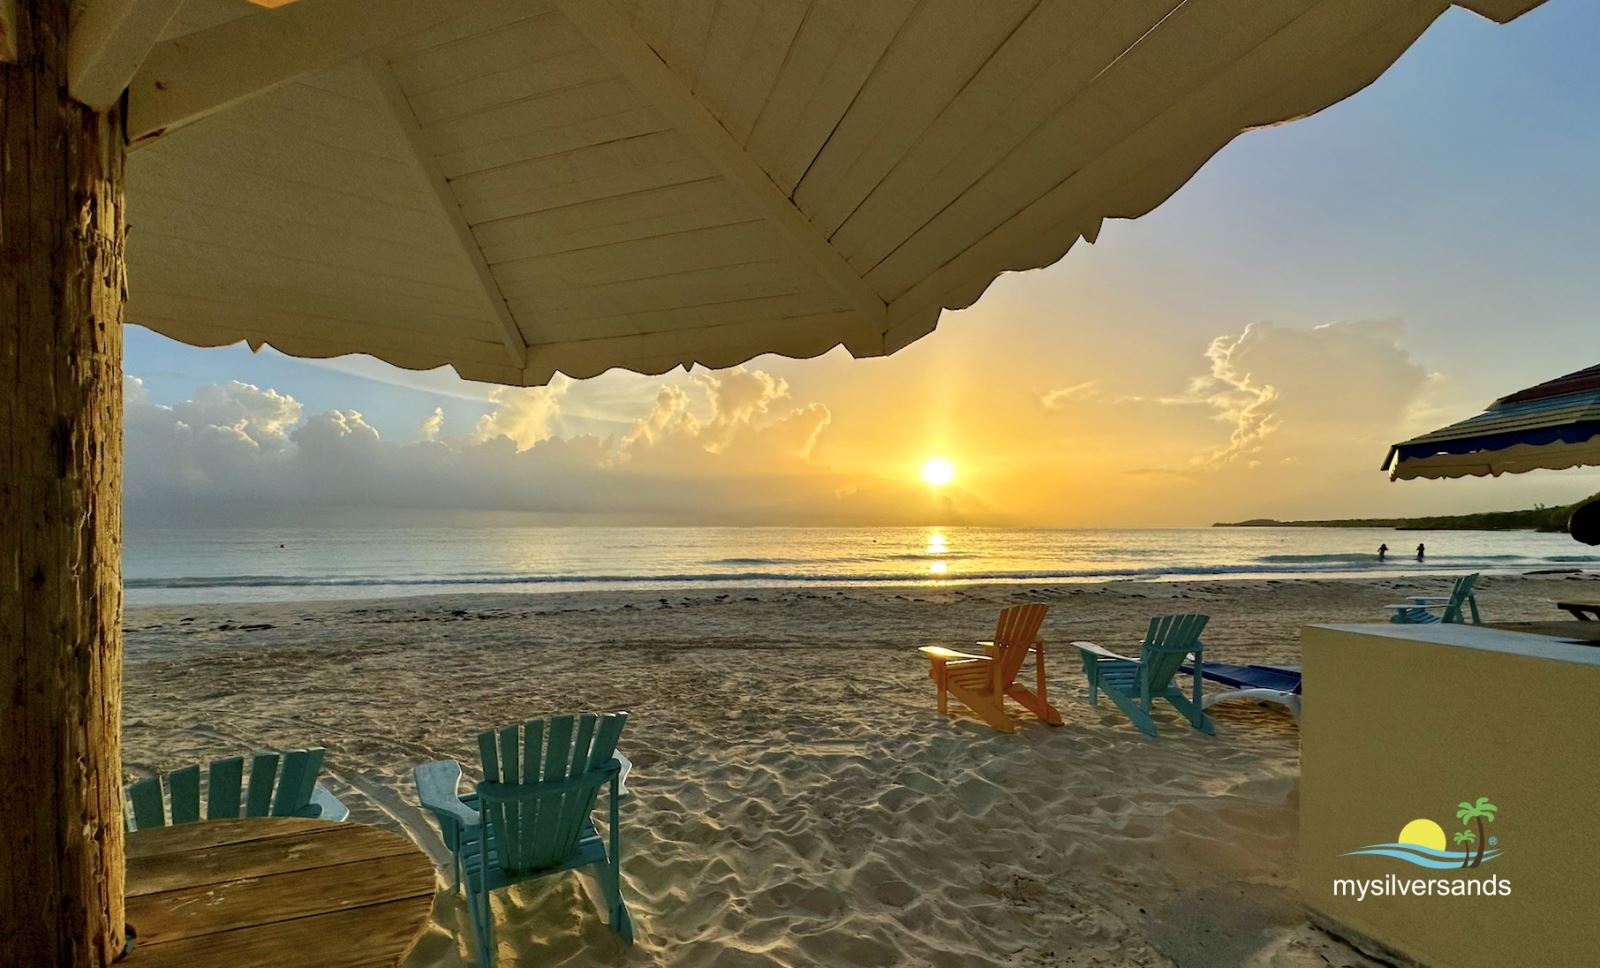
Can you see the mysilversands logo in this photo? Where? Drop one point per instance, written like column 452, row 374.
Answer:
column 1422, row 843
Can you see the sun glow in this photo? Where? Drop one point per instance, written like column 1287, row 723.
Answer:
column 938, row 471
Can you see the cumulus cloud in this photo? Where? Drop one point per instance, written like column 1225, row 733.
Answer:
column 1330, row 383
column 431, row 425
column 729, row 447
column 523, row 415
column 740, row 420
column 235, row 412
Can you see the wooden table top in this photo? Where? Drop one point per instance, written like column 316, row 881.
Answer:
column 275, row 893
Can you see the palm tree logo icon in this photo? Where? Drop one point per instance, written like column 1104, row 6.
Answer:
column 1466, row 837
column 1423, row 842
column 1479, row 810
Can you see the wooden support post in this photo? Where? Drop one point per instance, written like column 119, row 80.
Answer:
column 62, row 291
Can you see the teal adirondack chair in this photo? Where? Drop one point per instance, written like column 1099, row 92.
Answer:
column 531, row 815
column 293, row 792
column 1135, row 684
column 1419, row 611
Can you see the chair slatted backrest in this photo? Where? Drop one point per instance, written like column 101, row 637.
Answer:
column 541, row 780
column 1014, row 635
column 1458, row 598
column 225, row 792
column 1167, row 644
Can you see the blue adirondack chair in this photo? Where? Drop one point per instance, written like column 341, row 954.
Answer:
column 1419, row 611
column 291, row 792
column 531, row 815
column 1135, row 684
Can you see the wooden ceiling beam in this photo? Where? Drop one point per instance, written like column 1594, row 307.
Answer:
column 614, row 37
column 109, row 39
column 449, row 208
column 189, row 77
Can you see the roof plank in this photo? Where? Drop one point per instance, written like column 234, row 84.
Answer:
column 652, row 212
column 644, row 258
column 1118, row 155
column 611, row 33
column 1036, row 72
column 511, row 329
column 834, row 52
column 745, row 51
column 941, row 48
column 190, row 77
column 610, row 168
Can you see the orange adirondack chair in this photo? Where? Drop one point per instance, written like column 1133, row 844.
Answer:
column 983, row 682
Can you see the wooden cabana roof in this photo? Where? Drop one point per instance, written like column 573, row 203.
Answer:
column 517, row 187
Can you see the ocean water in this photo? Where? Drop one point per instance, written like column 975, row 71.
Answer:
column 233, row 565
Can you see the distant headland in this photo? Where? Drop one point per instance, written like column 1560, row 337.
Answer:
column 1539, row 518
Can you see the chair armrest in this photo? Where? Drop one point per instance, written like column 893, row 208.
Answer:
column 939, row 653
column 332, row 809
column 622, row 776
column 1408, row 606
column 1037, row 646
column 438, row 784
column 1093, row 649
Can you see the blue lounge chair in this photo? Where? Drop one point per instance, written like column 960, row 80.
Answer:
column 1135, row 684
column 1279, row 684
column 297, row 792
column 1419, row 611
column 531, row 815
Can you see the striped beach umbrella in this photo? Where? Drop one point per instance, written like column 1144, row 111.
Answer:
column 1554, row 425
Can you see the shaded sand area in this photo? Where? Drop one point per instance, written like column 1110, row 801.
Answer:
column 797, row 799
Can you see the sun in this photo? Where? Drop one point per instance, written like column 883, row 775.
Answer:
column 1422, row 832
column 938, row 471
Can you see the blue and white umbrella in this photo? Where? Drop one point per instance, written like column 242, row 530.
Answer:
column 1553, row 425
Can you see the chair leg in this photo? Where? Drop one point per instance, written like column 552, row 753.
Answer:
column 611, row 872
column 1036, row 704
column 1131, row 709
column 617, row 917
column 1091, row 671
column 942, row 677
column 482, row 927
column 987, row 709
column 478, row 911
column 1194, row 714
column 1038, row 675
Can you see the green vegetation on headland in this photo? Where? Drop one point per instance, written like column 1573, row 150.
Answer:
column 1538, row 518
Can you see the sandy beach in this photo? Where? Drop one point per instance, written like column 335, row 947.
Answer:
column 797, row 798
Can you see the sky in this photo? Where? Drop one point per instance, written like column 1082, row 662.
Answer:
column 1318, row 291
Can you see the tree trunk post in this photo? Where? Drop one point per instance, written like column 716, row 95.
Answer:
column 62, row 290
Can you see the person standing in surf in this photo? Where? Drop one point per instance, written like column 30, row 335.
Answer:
column 1422, row 551
column 1383, row 550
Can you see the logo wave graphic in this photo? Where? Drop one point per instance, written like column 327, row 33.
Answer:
column 1439, row 860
